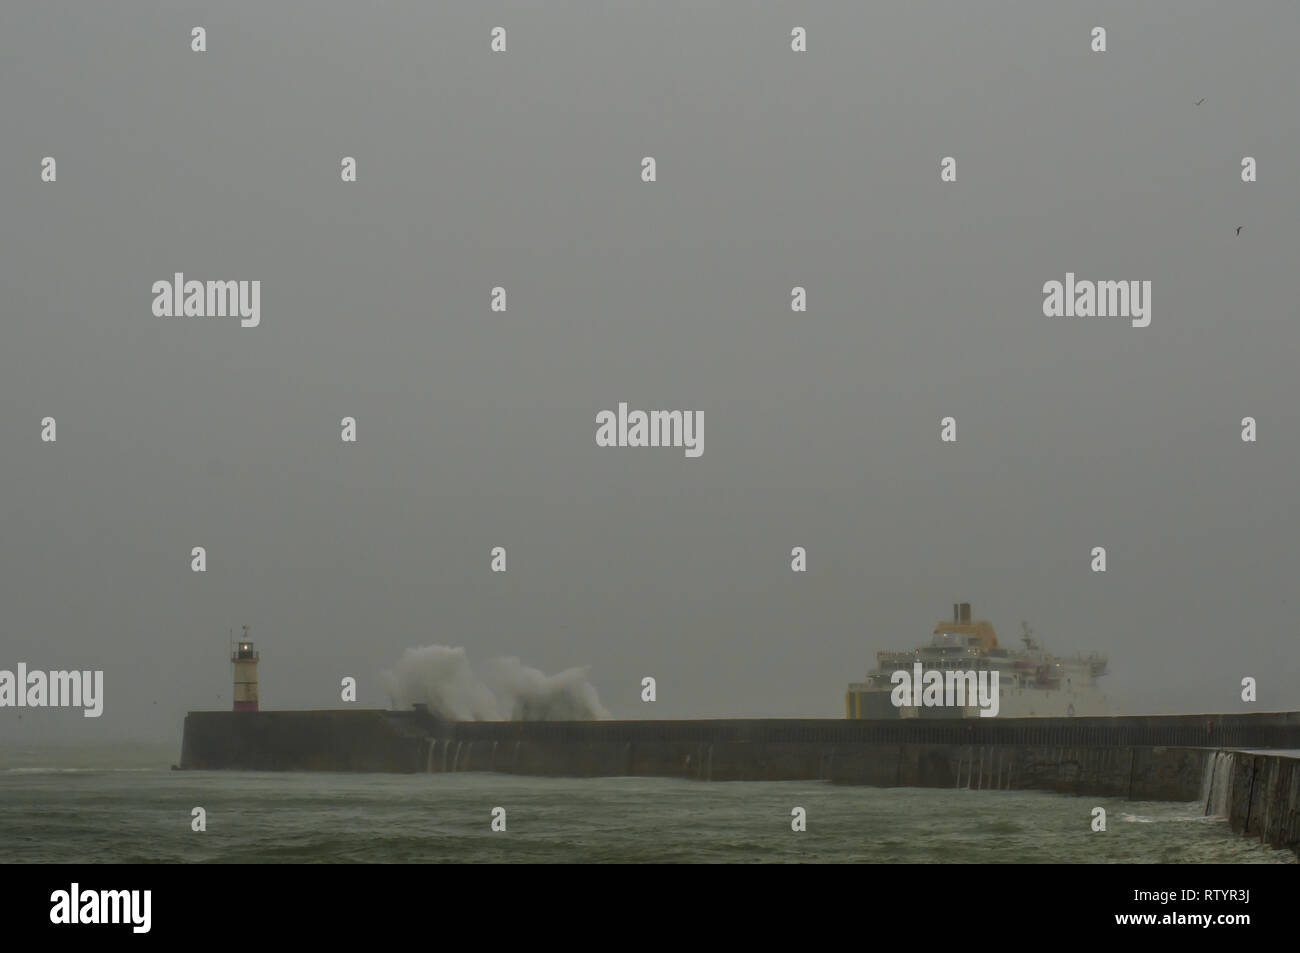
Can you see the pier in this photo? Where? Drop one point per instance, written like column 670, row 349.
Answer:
column 1246, row 767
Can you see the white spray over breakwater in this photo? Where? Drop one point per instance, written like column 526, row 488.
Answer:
column 442, row 678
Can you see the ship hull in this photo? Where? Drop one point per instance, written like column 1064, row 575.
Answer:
column 1023, row 703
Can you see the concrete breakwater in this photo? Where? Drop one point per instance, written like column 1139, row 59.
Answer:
column 1165, row 757
column 758, row 748
column 1258, row 792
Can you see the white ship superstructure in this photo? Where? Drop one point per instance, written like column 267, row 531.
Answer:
column 1032, row 683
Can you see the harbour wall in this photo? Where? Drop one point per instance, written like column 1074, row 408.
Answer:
column 1259, row 793
column 1164, row 757
column 757, row 748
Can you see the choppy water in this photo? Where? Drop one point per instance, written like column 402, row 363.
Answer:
column 124, row 805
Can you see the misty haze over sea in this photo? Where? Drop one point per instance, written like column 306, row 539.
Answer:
column 476, row 429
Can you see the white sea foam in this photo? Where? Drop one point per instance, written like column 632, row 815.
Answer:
column 46, row 770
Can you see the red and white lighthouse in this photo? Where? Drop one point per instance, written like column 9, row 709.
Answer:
column 244, row 657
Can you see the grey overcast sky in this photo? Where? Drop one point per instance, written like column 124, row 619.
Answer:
column 477, row 429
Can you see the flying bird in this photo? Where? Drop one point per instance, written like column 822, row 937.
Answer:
column 1201, row 100
column 1239, row 228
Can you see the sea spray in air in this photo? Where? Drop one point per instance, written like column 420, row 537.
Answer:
column 442, row 678
column 526, row 694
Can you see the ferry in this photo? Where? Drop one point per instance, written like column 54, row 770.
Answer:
column 1032, row 682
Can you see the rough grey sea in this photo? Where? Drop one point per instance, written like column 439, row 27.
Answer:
column 125, row 805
